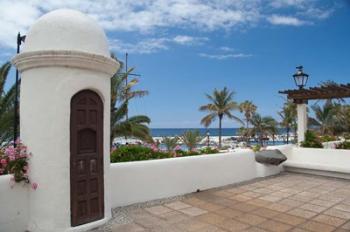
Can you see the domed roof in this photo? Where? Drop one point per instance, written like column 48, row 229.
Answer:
column 67, row 30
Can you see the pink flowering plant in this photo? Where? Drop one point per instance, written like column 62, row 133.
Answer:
column 14, row 160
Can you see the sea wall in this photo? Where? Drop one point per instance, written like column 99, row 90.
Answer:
column 140, row 181
column 13, row 206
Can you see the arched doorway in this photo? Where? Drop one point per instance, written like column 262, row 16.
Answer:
column 86, row 158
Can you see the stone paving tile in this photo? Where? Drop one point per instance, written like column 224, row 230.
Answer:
column 259, row 202
column 326, row 219
column 313, row 208
column 318, row 227
column 346, row 226
column 323, row 203
column 302, row 213
column 177, row 205
column 211, row 218
column 240, row 197
column 279, row 207
column 173, row 217
column 252, row 194
column 245, row 207
column 255, row 229
column 289, row 219
column 193, row 211
column 275, row 226
column 191, row 225
column 210, row 228
column 229, row 213
column 341, row 230
column 127, row 228
column 157, row 210
column 266, row 213
column 337, row 213
column 233, row 225
column 263, row 190
column 271, row 198
column 211, row 206
column 299, row 230
column 250, row 219
column 343, row 207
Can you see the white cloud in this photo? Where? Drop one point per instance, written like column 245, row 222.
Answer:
column 226, row 49
column 147, row 16
column 189, row 40
column 286, row 20
column 289, row 3
column 224, row 56
column 152, row 45
column 146, row 46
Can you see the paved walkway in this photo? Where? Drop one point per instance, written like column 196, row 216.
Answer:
column 288, row 202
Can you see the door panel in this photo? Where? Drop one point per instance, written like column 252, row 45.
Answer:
column 86, row 158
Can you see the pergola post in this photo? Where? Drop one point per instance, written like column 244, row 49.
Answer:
column 301, row 121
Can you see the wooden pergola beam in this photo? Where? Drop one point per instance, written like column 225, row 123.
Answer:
column 315, row 93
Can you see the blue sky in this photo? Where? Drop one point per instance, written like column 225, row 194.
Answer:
column 186, row 48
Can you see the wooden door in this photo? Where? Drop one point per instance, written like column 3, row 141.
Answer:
column 86, row 158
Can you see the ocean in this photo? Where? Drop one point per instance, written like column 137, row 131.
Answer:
column 162, row 132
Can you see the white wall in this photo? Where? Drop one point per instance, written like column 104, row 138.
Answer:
column 141, row 181
column 13, row 206
column 332, row 160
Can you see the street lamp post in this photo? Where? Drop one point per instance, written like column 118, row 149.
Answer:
column 20, row 39
column 300, row 77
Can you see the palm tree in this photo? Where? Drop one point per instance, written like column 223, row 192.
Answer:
column 327, row 116
column 191, row 139
column 271, row 126
column 6, row 106
column 121, row 94
column 249, row 109
column 221, row 104
column 170, row 143
column 289, row 117
column 263, row 126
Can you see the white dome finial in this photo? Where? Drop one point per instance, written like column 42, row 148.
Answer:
column 68, row 30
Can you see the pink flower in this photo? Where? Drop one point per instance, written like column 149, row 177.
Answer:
column 12, row 157
column 177, row 148
column 3, row 161
column 34, row 186
column 154, row 147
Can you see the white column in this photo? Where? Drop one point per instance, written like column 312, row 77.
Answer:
column 302, row 121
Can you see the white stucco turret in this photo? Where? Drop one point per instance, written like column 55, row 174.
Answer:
column 65, row 52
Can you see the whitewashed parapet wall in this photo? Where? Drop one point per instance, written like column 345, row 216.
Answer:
column 134, row 182
column 13, row 205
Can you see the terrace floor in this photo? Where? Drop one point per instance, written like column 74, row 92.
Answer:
column 287, row 202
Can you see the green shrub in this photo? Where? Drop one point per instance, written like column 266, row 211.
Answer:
column 344, row 145
column 256, row 148
column 190, row 153
column 136, row 153
column 209, row 150
column 311, row 140
column 328, row 138
column 346, row 136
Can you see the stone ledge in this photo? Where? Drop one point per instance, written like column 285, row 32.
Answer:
column 61, row 58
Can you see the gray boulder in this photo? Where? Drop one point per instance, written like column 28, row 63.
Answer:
column 274, row 157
